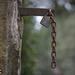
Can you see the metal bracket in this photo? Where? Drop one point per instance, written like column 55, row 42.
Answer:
column 34, row 11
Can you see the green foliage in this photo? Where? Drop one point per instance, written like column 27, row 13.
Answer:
column 66, row 44
column 25, row 3
column 36, row 47
column 27, row 52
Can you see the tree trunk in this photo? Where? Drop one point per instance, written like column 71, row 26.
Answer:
column 11, row 29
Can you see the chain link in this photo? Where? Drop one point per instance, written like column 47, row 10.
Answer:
column 53, row 44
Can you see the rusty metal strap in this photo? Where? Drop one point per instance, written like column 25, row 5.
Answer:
column 34, row 11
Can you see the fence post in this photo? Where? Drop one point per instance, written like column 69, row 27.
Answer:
column 11, row 29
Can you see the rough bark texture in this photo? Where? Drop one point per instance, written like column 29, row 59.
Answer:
column 10, row 38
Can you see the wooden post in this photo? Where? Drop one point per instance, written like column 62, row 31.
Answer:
column 10, row 38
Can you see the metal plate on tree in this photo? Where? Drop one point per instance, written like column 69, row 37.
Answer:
column 46, row 21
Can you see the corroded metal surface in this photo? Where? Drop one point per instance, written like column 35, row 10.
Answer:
column 53, row 44
column 34, row 11
column 46, row 21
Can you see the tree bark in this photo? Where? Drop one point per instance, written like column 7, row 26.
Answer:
column 11, row 29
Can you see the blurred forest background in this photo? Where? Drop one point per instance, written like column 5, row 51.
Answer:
column 36, row 47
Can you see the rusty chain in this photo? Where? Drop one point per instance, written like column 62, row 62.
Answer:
column 53, row 44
